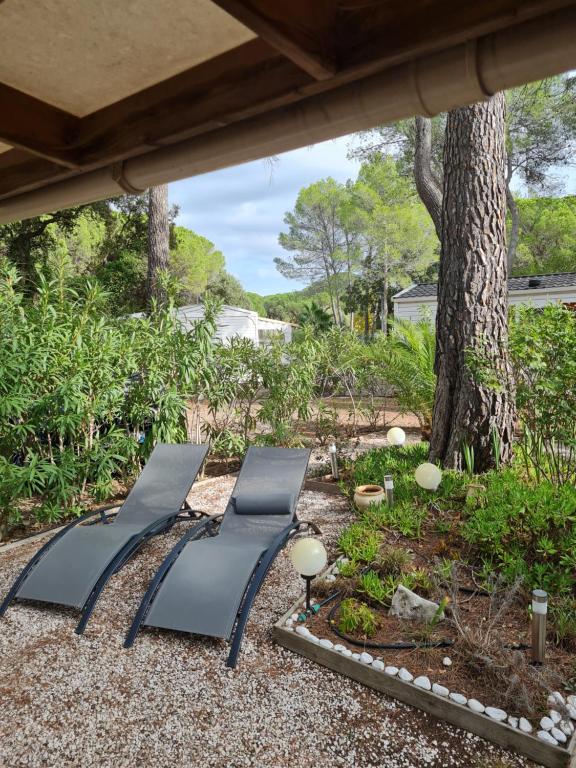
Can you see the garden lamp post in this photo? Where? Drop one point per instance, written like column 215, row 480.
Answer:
column 396, row 436
column 308, row 557
column 334, row 461
column 389, row 488
column 428, row 476
column 539, row 611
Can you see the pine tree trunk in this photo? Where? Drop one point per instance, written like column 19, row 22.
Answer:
column 158, row 240
column 426, row 183
column 472, row 290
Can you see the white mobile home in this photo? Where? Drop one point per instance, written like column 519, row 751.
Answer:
column 235, row 321
column 536, row 290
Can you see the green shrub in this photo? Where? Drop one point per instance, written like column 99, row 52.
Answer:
column 359, row 543
column 526, row 530
column 85, row 396
column 357, row 617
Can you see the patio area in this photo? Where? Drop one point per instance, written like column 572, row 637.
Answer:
column 83, row 700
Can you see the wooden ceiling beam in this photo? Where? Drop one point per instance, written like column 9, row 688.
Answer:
column 37, row 127
column 233, row 86
column 375, row 35
column 302, row 30
column 20, row 172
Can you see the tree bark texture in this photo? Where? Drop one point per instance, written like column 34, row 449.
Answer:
column 158, row 239
column 472, row 291
column 427, row 185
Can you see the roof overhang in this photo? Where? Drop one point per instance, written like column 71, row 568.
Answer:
column 98, row 99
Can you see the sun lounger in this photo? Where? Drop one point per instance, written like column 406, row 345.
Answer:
column 73, row 567
column 207, row 586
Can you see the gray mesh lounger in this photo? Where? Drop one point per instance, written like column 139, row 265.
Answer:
column 207, row 586
column 75, row 565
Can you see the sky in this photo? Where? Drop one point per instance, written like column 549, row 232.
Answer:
column 241, row 209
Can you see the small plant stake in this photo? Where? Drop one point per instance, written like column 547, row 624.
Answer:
column 334, row 461
column 389, row 488
column 539, row 611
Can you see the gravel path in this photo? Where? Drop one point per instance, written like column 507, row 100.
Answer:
column 170, row 701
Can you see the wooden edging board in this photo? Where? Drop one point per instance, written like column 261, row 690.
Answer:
column 323, row 486
column 444, row 709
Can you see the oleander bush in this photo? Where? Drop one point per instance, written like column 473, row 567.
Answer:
column 84, row 396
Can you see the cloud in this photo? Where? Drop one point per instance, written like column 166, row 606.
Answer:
column 241, row 209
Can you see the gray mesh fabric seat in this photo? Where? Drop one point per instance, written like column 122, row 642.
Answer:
column 74, row 566
column 202, row 585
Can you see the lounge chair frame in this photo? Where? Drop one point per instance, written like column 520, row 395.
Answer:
column 253, row 587
column 125, row 553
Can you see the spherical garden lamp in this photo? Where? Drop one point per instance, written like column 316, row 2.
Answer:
column 396, row 436
column 428, row 476
column 308, row 557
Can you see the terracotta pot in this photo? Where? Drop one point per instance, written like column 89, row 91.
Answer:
column 364, row 495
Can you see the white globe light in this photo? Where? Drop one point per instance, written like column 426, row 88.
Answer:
column 428, row 476
column 308, row 556
column 396, row 436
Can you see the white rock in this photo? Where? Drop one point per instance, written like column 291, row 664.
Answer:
column 546, row 724
column 423, row 682
column 326, row 643
column 525, row 725
column 366, row 658
column 356, row 656
column 496, row 714
column 447, row 661
column 392, row 671
column 408, row 605
column 289, row 629
column 475, row 705
column 289, row 622
column 459, row 698
column 545, row 736
column 403, row 674
column 571, row 700
column 513, row 721
column 440, row 690
column 377, row 664
column 567, row 727
column 312, row 638
column 346, row 652
column 571, row 710
column 339, row 647
column 294, row 617
column 555, row 716
column 304, row 631
column 556, row 699
column 559, row 735
column 330, row 577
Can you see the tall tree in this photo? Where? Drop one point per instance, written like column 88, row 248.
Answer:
column 540, row 136
column 322, row 240
column 158, row 240
column 472, row 290
column 392, row 226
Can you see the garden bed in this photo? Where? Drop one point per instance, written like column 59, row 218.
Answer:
column 322, row 647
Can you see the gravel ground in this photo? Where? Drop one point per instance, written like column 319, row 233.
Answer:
column 170, row 701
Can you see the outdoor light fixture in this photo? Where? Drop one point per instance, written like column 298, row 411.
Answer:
column 428, row 476
column 539, row 611
column 396, row 436
column 334, row 461
column 389, row 488
column 308, row 557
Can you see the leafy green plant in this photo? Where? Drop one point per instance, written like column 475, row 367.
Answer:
column 370, row 584
column 468, row 456
column 563, row 622
column 359, row 544
column 357, row 617
column 392, row 561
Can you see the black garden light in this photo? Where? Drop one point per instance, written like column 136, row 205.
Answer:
column 308, row 557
